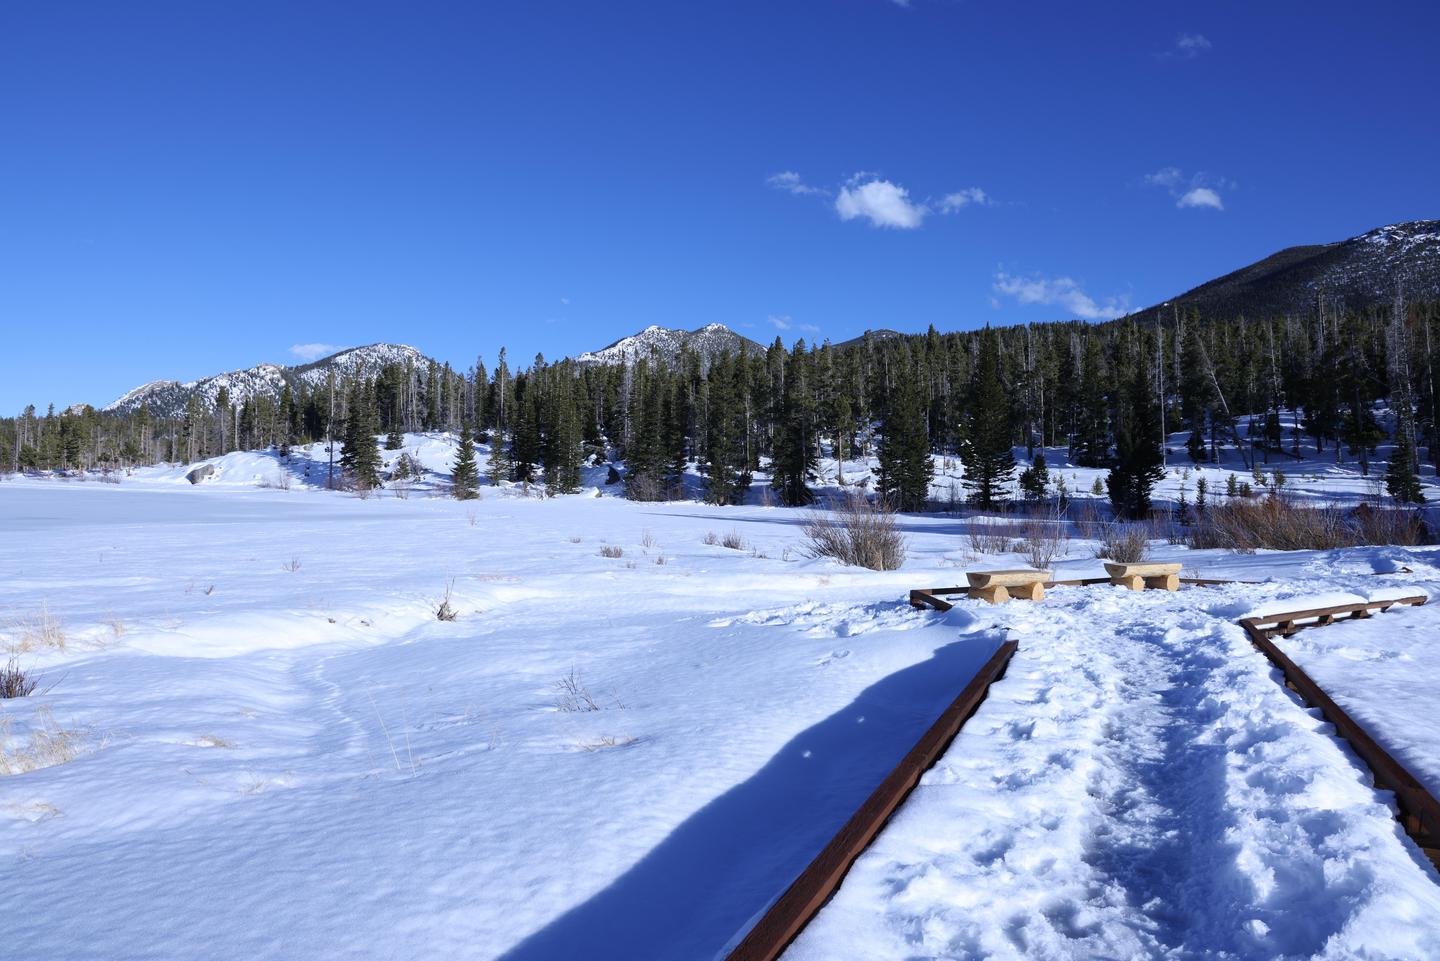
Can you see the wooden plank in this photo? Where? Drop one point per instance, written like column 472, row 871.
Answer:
column 1346, row 610
column 1419, row 811
column 785, row 919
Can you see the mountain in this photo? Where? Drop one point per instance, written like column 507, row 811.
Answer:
column 168, row 398
column 1355, row 274
column 708, row 341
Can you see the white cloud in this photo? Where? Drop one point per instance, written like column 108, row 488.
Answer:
column 964, row 198
column 565, row 301
column 1058, row 291
column 313, row 351
column 883, row 203
column 1165, row 177
column 1199, row 190
column 1192, row 44
column 1187, row 46
column 1200, row 197
column 786, row 322
column 789, row 181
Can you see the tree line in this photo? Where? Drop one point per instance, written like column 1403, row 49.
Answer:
column 1109, row 393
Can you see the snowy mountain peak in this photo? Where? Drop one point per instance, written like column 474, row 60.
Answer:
column 667, row 343
column 168, row 398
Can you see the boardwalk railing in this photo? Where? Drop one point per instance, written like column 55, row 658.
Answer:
column 1419, row 811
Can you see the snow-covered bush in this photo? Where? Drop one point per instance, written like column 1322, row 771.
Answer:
column 857, row 533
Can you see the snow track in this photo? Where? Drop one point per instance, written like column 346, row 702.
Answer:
column 1139, row 787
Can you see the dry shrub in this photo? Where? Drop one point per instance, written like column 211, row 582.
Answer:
column 712, row 538
column 1124, row 543
column 574, row 697
column 612, row 550
column 1274, row 523
column 1046, row 538
column 992, row 534
column 1401, row 527
column 734, row 541
column 14, row 682
column 445, row 612
column 857, row 533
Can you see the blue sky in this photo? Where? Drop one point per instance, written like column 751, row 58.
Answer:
column 192, row 187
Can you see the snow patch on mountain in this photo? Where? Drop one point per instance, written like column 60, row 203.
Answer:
column 169, row 398
column 667, row 343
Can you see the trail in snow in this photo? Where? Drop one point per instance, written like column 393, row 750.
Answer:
column 1138, row 787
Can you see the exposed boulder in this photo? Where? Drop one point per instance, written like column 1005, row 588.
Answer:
column 201, row 473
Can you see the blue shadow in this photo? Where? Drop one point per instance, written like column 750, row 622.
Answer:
column 696, row 893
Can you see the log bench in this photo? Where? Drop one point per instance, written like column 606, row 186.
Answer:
column 1139, row 577
column 997, row 587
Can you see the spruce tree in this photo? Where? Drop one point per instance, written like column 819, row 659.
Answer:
column 359, row 455
column 464, row 475
column 501, row 465
column 726, row 470
column 1035, row 479
column 794, row 462
column 1402, row 477
column 394, row 440
column 905, row 464
column 563, row 451
column 1139, row 460
column 988, row 459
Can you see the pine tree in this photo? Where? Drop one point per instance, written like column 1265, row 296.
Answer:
column 563, row 451
column 905, row 464
column 501, row 466
column 394, row 440
column 359, row 455
column 726, row 469
column 1139, row 461
column 1202, row 487
column 464, row 475
column 987, row 455
column 1402, row 477
column 1092, row 443
column 794, row 462
column 1035, row 479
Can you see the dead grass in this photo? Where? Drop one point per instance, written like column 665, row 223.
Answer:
column 1245, row 525
column 612, row 551
column 607, row 741
column 34, row 632
column 734, row 541
column 712, row 538
column 445, row 612
column 47, row 744
column 859, row 534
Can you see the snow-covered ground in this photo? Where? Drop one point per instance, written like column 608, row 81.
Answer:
column 259, row 741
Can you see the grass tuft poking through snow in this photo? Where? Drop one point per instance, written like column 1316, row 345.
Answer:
column 36, row 632
column 612, row 551
column 48, row 744
column 445, row 612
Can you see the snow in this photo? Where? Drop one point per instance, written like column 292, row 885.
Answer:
column 1380, row 671
column 259, row 741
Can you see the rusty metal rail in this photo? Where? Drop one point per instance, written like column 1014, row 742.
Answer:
column 808, row 893
column 1419, row 811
